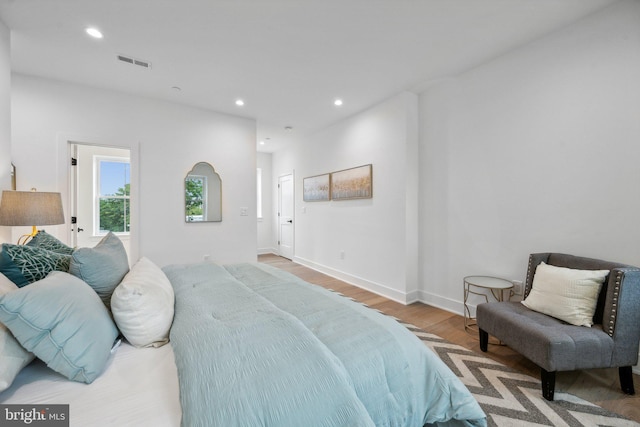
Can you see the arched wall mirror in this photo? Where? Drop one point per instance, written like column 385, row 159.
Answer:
column 203, row 194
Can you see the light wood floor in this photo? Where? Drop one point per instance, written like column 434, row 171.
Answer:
column 599, row 386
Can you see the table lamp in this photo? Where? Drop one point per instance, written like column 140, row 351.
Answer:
column 30, row 208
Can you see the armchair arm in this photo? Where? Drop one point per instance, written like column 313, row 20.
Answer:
column 621, row 318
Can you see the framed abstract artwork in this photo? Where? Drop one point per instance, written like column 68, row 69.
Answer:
column 316, row 188
column 354, row 183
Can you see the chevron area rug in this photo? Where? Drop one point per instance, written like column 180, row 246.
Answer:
column 513, row 399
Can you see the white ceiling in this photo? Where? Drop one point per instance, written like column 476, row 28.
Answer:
column 288, row 59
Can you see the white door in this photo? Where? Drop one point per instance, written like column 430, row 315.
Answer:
column 85, row 180
column 285, row 216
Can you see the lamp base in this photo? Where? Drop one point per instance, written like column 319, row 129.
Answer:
column 26, row 237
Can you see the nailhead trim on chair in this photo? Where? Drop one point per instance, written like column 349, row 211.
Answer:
column 614, row 304
column 527, row 285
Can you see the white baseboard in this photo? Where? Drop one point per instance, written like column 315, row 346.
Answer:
column 447, row 304
column 368, row 285
column 265, row 251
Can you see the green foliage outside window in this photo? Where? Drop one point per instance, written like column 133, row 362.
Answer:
column 115, row 211
column 193, row 199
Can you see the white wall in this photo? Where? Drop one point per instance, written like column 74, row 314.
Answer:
column 5, row 118
column 375, row 234
column 166, row 141
column 265, row 224
column 535, row 151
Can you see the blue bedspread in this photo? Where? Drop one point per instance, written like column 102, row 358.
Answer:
column 256, row 346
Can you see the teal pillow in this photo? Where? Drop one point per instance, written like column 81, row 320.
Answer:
column 26, row 264
column 63, row 322
column 44, row 240
column 12, row 356
column 102, row 266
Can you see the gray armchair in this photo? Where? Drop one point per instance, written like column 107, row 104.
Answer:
column 554, row 345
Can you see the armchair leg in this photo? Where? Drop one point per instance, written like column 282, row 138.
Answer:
column 484, row 340
column 548, row 384
column 626, row 379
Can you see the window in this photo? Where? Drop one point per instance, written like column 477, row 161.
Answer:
column 113, row 199
column 259, row 192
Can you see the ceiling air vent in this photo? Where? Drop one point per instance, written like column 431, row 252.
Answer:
column 134, row 61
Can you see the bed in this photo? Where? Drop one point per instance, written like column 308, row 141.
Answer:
column 252, row 345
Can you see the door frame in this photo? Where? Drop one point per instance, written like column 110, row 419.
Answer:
column 293, row 212
column 64, row 176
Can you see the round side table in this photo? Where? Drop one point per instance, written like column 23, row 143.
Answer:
column 473, row 284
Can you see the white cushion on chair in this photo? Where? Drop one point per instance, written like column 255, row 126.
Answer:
column 566, row 294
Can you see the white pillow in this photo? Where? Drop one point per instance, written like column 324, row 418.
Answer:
column 566, row 294
column 142, row 305
column 13, row 357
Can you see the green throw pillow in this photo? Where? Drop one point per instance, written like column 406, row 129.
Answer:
column 24, row 264
column 44, row 240
column 63, row 322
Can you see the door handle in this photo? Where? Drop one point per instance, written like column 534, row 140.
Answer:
column 80, row 229
column 290, row 221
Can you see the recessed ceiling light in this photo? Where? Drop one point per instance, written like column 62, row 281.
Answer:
column 288, row 128
column 94, row 32
column 337, row 102
column 176, row 88
column 239, row 102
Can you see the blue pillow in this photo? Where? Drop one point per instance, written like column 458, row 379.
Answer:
column 102, row 266
column 26, row 264
column 12, row 356
column 62, row 321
